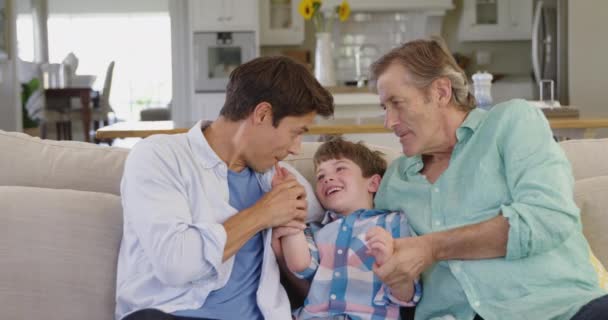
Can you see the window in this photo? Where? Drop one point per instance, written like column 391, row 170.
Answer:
column 139, row 43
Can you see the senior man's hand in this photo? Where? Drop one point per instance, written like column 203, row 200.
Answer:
column 411, row 257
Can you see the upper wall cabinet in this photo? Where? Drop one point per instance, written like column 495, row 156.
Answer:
column 280, row 22
column 495, row 20
column 224, row 15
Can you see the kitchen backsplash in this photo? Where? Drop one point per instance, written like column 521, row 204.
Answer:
column 360, row 40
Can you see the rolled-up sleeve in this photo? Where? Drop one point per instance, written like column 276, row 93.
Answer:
column 156, row 209
column 542, row 213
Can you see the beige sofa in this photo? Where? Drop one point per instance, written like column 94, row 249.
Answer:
column 61, row 221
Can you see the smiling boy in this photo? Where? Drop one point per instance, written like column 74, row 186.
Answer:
column 339, row 254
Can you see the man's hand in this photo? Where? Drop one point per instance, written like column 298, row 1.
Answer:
column 380, row 244
column 411, row 257
column 282, row 205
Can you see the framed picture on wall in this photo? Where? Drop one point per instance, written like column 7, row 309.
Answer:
column 3, row 31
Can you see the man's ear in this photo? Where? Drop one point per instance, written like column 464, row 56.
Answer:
column 262, row 113
column 374, row 183
column 443, row 90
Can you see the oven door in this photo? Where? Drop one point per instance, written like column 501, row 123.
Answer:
column 216, row 54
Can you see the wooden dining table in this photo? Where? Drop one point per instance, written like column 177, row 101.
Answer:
column 84, row 93
column 142, row 129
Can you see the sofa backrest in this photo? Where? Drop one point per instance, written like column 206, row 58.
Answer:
column 32, row 162
column 589, row 159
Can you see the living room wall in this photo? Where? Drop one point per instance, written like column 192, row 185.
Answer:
column 10, row 108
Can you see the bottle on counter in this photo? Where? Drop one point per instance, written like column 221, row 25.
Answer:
column 482, row 89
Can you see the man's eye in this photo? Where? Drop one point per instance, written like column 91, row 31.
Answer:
column 340, row 168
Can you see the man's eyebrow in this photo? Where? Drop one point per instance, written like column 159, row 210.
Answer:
column 304, row 129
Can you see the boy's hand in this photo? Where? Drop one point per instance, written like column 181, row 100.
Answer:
column 380, row 244
column 281, row 175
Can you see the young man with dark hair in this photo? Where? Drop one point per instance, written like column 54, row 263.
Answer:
column 198, row 207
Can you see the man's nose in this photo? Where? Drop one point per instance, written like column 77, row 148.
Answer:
column 390, row 118
column 296, row 146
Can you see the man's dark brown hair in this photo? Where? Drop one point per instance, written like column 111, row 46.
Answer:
column 286, row 84
column 370, row 162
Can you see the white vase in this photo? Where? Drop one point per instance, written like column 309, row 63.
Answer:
column 324, row 62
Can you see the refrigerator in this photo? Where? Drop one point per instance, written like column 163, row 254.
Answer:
column 550, row 50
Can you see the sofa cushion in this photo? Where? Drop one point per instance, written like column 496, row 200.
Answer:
column 587, row 157
column 591, row 196
column 28, row 161
column 58, row 253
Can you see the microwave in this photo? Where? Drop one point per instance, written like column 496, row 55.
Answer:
column 216, row 54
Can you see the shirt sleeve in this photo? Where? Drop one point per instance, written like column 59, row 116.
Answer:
column 385, row 297
column 310, row 271
column 542, row 214
column 156, row 209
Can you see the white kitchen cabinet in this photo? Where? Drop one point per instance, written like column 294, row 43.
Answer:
column 224, row 15
column 496, row 20
column 207, row 106
column 280, row 22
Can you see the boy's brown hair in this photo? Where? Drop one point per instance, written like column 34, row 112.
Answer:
column 286, row 84
column 370, row 162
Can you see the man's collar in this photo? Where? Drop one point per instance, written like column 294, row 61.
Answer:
column 412, row 165
column 200, row 146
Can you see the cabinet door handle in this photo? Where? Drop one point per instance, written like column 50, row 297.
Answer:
column 220, row 18
column 229, row 18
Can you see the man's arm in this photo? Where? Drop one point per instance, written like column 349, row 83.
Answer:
column 483, row 240
column 413, row 255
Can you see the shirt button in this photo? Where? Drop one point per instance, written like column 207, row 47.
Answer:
column 337, row 274
column 344, row 228
column 456, row 268
column 340, row 251
column 333, row 297
column 436, row 190
column 476, row 303
column 437, row 222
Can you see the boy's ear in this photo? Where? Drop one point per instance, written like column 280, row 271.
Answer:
column 374, row 183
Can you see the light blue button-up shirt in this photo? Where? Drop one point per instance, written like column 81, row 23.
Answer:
column 505, row 162
column 175, row 199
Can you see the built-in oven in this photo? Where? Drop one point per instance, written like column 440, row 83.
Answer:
column 216, row 54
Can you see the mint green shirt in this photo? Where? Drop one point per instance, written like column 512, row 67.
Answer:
column 505, row 162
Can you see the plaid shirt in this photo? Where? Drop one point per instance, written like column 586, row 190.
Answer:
column 343, row 282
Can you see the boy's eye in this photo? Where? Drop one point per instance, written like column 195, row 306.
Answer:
column 340, row 168
column 320, row 177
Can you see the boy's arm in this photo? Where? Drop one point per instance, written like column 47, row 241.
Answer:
column 295, row 250
column 301, row 253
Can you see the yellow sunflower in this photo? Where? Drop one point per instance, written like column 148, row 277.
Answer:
column 306, row 9
column 343, row 11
